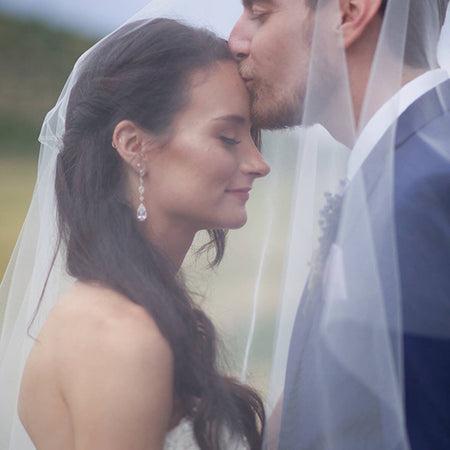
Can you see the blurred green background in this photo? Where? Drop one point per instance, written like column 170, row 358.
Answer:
column 34, row 64
column 35, row 61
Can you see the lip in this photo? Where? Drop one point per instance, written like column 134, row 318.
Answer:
column 245, row 77
column 241, row 193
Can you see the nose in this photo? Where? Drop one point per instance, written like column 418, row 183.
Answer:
column 253, row 162
column 240, row 39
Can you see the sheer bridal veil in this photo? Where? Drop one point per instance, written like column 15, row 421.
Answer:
column 293, row 220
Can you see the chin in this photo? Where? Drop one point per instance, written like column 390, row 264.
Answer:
column 272, row 113
column 234, row 223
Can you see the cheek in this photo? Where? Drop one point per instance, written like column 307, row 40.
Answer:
column 218, row 170
column 293, row 66
column 266, row 50
column 276, row 56
column 204, row 169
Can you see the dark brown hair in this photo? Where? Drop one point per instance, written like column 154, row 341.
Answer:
column 142, row 73
column 423, row 30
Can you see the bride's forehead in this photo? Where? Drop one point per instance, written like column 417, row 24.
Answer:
column 219, row 93
column 216, row 79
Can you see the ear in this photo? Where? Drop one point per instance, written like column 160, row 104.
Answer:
column 356, row 15
column 130, row 141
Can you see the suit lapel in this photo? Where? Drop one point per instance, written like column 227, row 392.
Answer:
column 424, row 110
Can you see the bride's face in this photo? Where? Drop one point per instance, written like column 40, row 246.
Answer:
column 201, row 178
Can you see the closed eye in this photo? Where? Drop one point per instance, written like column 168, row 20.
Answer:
column 229, row 141
column 258, row 14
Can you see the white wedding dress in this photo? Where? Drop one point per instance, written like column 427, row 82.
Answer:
column 182, row 438
column 179, row 438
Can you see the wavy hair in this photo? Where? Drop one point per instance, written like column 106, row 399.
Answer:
column 142, row 73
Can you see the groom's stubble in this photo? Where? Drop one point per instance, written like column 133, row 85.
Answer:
column 273, row 107
column 274, row 59
column 281, row 105
column 269, row 111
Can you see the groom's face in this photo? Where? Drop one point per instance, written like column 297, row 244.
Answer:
column 272, row 41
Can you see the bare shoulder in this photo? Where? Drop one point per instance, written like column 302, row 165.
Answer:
column 102, row 358
column 90, row 308
column 114, row 367
column 94, row 320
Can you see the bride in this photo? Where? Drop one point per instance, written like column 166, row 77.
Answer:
column 157, row 146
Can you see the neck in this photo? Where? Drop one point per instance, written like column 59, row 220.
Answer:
column 367, row 99
column 374, row 81
column 173, row 240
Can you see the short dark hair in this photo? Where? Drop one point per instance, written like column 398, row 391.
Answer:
column 420, row 44
column 423, row 31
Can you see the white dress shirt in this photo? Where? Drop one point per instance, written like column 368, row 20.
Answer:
column 388, row 114
column 333, row 280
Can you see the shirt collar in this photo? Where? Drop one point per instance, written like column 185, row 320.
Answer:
column 387, row 115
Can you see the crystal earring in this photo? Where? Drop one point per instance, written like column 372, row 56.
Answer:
column 141, row 211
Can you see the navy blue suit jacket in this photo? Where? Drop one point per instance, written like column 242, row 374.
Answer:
column 422, row 214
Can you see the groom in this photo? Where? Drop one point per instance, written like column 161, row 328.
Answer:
column 272, row 41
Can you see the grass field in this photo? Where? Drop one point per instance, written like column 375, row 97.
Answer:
column 25, row 97
column 17, row 177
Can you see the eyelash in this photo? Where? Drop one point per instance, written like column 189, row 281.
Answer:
column 258, row 15
column 229, row 141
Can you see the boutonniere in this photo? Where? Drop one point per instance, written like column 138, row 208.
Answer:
column 328, row 223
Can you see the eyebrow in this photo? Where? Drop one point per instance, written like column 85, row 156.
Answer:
column 235, row 118
column 249, row 3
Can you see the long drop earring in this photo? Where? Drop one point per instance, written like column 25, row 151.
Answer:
column 141, row 211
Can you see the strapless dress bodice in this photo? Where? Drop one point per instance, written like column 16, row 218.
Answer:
column 182, row 438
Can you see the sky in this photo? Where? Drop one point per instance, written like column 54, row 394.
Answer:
column 99, row 17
